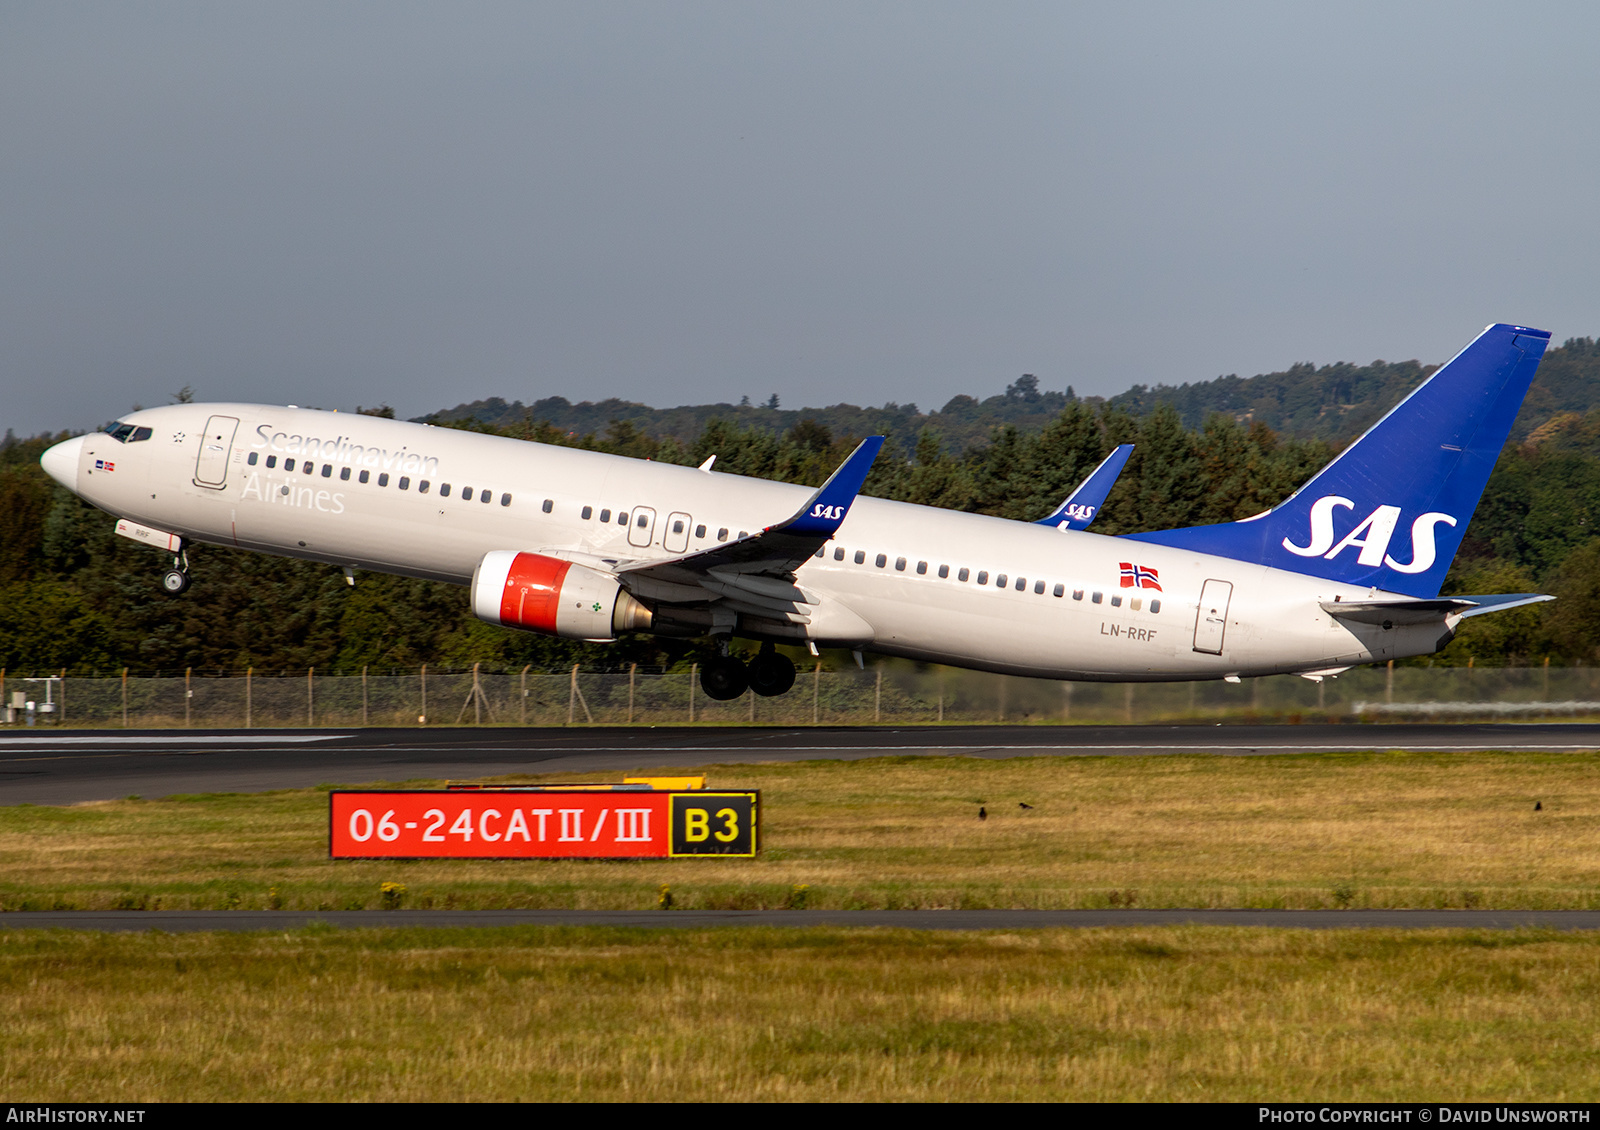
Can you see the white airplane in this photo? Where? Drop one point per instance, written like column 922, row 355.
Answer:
column 586, row 546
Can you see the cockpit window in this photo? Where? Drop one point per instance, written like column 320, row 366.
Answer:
column 127, row 433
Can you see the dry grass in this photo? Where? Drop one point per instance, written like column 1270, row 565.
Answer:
column 800, row 1015
column 1365, row 830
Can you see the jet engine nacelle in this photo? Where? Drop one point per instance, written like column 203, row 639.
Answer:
column 558, row 598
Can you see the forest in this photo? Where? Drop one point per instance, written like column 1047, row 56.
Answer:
column 75, row 596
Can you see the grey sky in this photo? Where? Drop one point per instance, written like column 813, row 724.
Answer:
column 337, row 204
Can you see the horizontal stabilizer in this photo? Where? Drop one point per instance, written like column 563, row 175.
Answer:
column 1502, row 601
column 1391, row 612
column 1084, row 503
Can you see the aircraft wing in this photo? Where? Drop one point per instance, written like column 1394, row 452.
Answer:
column 755, row 574
column 1084, row 503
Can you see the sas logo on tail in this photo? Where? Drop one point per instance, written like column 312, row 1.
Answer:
column 1139, row 576
column 832, row 513
column 1077, row 512
column 1371, row 537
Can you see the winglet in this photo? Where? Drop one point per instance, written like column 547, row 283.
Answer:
column 825, row 511
column 1084, row 503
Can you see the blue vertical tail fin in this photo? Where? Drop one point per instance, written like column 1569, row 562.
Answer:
column 1391, row 510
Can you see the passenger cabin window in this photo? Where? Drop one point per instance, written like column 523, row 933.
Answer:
column 1059, row 590
column 1038, row 587
column 327, row 470
column 922, row 568
column 881, row 561
column 422, row 486
column 444, row 489
column 622, row 517
column 899, row 564
column 605, row 515
column 1116, row 601
column 505, row 500
column 1155, row 606
column 642, row 521
column 722, row 534
column 699, row 531
column 1022, row 583
column 677, row 527
column 1077, row 594
column 272, row 461
column 983, row 576
column 838, row 554
column 344, row 474
column 587, row 510
column 1134, row 603
column 405, row 482
column 963, row 575
column 861, row 557
column 485, row 496
column 944, row 571
column 365, row 476
column 254, row 455
column 1000, row 580
column 466, row 494
column 549, row 505
column 383, row 478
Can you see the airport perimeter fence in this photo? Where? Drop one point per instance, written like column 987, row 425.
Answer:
column 890, row 694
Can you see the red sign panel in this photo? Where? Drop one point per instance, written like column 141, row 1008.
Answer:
column 490, row 824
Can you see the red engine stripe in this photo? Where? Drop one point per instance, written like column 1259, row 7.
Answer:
column 533, row 591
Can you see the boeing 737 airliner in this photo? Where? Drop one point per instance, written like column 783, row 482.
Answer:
column 577, row 544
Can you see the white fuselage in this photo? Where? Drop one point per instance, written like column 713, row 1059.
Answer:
column 237, row 491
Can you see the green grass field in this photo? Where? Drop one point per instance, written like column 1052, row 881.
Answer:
column 800, row 1015
column 1328, row 830
column 793, row 1014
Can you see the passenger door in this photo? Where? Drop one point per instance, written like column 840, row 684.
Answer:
column 1211, row 619
column 211, row 468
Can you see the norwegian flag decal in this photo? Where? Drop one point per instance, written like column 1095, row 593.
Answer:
column 1139, row 577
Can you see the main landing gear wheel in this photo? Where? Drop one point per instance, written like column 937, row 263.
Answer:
column 174, row 581
column 724, row 678
column 771, row 674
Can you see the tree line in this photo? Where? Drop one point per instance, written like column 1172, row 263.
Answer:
column 74, row 595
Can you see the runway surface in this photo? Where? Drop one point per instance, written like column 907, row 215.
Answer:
column 70, row 767
column 180, row 921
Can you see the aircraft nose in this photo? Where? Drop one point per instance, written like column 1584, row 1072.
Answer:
column 61, row 462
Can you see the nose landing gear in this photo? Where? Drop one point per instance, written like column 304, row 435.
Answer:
column 176, row 579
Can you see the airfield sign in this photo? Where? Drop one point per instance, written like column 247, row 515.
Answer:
column 524, row 824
